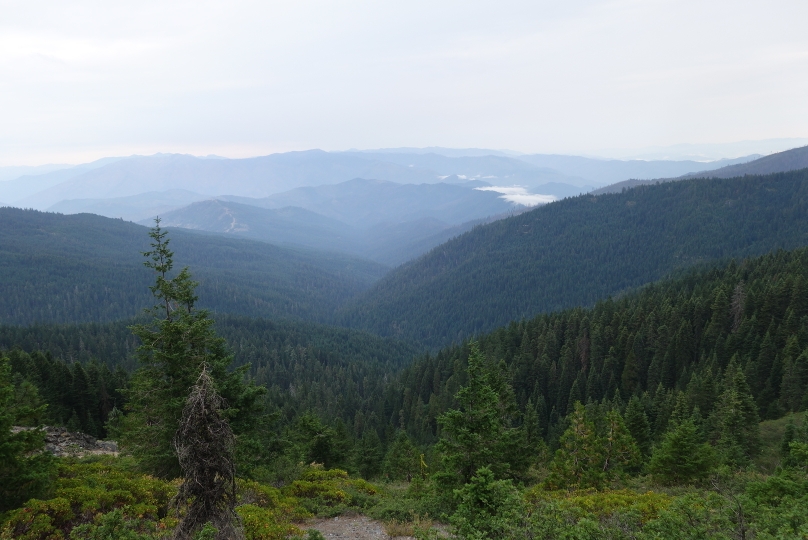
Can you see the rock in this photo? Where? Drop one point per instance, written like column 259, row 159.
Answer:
column 62, row 443
column 109, row 446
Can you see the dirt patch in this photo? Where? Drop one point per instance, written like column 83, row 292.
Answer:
column 351, row 527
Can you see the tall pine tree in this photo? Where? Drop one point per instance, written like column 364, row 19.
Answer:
column 175, row 346
column 478, row 434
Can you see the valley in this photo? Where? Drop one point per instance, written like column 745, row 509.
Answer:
column 393, row 342
column 404, row 270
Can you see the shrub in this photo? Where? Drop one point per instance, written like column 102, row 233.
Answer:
column 603, row 504
column 115, row 525
column 693, row 516
column 266, row 513
column 487, row 508
column 83, row 494
column 330, row 492
column 265, row 523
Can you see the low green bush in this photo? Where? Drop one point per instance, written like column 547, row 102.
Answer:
column 115, row 525
column 332, row 492
column 83, row 494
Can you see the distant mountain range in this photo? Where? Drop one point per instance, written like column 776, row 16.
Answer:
column 23, row 187
column 253, row 177
column 707, row 151
column 568, row 253
column 115, row 178
column 144, row 206
column 789, row 160
column 599, row 172
column 387, row 205
column 500, row 170
column 383, row 221
column 366, row 203
column 10, row 173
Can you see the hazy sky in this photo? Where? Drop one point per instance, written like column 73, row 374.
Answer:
column 80, row 80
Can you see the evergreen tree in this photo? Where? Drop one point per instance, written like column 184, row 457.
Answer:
column 368, row 454
column 476, row 435
column 28, row 407
column 794, row 447
column 619, row 450
column 681, row 457
column 401, row 461
column 175, row 346
column 735, row 419
column 789, row 435
column 25, row 470
column 80, row 394
column 488, row 508
column 576, row 462
column 533, row 445
column 316, row 441
column 631, row 375
column 592, row 451
column 638, row 426
column 795, row 382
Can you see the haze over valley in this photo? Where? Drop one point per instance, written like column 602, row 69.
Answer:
column 415, row 270
column 389, row 206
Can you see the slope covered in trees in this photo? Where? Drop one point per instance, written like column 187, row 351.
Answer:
column 673, row 349
column 638, row 418
column 334, row 372
column 577, row 251
column 85, row 268
column 789, row 160
column 666, row 351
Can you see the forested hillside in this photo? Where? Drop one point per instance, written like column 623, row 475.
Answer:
column 669, row 346
column 83, row 268
column 638, row 418
column 672, row 336
column 579, row 250
column 334, row 372
column 789, row 160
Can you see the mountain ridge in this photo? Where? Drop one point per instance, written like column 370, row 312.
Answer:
column 788, row 160
column 377, row 220
column 84, row 268
column 250, row 177
column 578, row 250
column 263, row 176
column 368, row 202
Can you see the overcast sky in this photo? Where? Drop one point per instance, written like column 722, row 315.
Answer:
column 80, row 80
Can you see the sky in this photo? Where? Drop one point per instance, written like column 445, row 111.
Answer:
column 80, row 80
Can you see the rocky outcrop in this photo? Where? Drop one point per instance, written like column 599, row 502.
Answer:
column 62, row 443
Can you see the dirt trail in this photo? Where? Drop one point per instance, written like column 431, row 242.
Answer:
column 351, row 527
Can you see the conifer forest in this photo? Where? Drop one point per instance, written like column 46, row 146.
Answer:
column 629, row 365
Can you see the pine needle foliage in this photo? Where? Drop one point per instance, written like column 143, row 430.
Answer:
column 479, row 433
column 593, row 451
column 681, row 457
column 175, row 347
column 25, row 470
